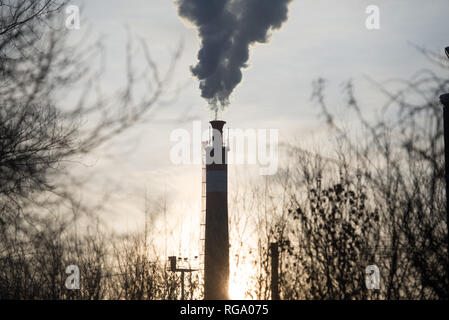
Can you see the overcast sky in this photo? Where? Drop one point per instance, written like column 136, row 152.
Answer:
column 320, row 39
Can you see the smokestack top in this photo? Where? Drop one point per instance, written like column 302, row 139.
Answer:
column 218, row 125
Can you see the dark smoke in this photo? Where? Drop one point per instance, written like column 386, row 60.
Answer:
column 227, row 28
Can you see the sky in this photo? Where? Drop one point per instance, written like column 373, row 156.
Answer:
column 321, row 38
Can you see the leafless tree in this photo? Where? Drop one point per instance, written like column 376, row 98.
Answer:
column 402, row 161
column 41, row 136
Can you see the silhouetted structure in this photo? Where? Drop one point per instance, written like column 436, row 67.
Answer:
column 444, row 98
column 274, row 253
column 174, row 268
column 216, row 255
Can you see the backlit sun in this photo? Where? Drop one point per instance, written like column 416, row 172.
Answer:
column 237, row 290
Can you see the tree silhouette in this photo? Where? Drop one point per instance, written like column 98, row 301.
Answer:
column 42, row 136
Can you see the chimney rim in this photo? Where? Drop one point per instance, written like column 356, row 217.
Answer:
column 217, row 124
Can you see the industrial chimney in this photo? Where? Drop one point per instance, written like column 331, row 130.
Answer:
column 216, row 246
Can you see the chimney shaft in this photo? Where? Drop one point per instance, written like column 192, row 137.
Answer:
column 216, row 256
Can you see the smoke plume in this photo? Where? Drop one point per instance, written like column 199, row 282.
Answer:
column 227, row 29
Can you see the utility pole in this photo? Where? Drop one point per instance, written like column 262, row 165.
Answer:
column 274, row 254
column 182, row 284
column 174, row 268
column 444, row 99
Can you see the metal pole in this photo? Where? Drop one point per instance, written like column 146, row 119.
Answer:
column 182, row 285
column 444, row 98
column 274, row 252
